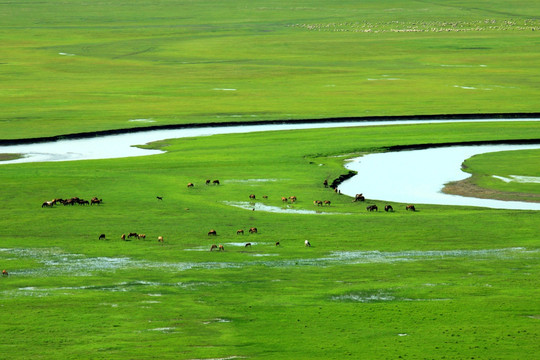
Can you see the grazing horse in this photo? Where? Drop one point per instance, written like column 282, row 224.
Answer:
column 133, row 234
column 159, row 197
column 212, row 232
column 215, row 182
column 189, row 185
column 248, row 244
column 102, row 237
column 253, row 230
column 240, row 232
column 307, row 243
column 284, row 199
column 123, row 237
column 141, row 236
column 292, row 198
column 208, row 182
column 359, row 197
column 327, row 202
column 160, row 239
column 410, row 207
column 325, row 183
column 95, row 201
column 214, row 246
column 277, row 243
column 388, row 208
column 372, row 208
column 252, row 196
column 317, row 202
column 47, row 204
column 4, row 273
column 221, row 248
column 265, row 196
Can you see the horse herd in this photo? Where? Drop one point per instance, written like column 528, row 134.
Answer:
column 388, row 208
column 207, row 182
column 72, row 201
column 213, row 232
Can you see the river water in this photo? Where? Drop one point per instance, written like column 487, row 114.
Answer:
column 406, row 176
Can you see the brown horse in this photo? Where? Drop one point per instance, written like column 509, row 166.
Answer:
column 4, row 272
column 292, row 198
column 141, row 236
column 253, row 230
column 212, row 232
column 325, row 183
column 221, row 248
column 214, row 246
column 160, row 239
column 133, row 234
column 284, row 199
column 410, row 207
column 252, row 196
column 240, row 232
column 359, row 197
column 123, row 237
column 327, row 202
column 317, row 202
column 190, row 185
column 93, row 201
column 388, row 208
column 372, row 208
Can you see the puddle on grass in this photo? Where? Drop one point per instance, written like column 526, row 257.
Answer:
column 275, row 209
column 163, row 329
column 376, row 297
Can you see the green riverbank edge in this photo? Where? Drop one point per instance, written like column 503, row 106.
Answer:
column 90, row 134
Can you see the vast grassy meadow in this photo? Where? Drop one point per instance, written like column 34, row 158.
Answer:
column 76, row 66
column 443, row 282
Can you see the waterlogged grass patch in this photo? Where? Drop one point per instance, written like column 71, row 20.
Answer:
column 400, row 256
column 376, row 296
column 276, row 209
column 519, row 179
column 366, row 297
column 55, row 263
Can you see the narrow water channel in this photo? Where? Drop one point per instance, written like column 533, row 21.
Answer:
column 407, row 176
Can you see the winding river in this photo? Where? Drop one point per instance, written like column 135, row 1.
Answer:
column 391, row 176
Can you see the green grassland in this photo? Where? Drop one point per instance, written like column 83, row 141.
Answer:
column 504, row 173
column 443, row 282
column 79, row 66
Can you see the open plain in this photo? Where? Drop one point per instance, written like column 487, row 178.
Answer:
column 441, row 282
